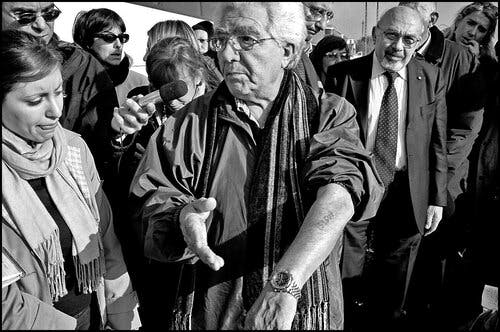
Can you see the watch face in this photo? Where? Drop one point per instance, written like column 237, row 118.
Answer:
column 281, row 279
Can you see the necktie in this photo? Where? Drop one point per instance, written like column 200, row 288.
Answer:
column 387, row 132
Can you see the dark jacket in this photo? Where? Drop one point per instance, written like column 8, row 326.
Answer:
column 89, row 102
column 425, row 128
column 464, row 101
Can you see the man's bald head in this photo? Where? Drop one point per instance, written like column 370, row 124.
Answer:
column 402, row 16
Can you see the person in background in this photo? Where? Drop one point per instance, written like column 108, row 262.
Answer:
column 329, row 50
column 101, row 32
column 59, row 251
column 474, row 27
column 465, row 105
column 90, row 94
column 176, row 28
column 204, row 30
column 401, row 110
column 249, row 186
column 318, row 15
column 170, row 59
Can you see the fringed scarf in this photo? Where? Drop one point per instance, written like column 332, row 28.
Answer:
column 61, row 167
column 276, row 189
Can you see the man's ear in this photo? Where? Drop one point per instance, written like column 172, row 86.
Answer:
column 288, row 55
column 434, row 19
column 374, row 35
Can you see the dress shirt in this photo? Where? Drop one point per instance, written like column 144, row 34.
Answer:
column 243, row 107
column 378, row 85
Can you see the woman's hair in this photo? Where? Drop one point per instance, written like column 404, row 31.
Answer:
column 325, row 45
column 24, row 58
column 490, row 11
column 206, row 26
column 170, row 28
column 171, row 56
column 87, row 24
column 286, row 22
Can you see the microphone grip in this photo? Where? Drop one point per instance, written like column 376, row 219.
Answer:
column 152, row 97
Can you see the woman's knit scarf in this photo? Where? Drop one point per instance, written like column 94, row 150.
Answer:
column 61, row 167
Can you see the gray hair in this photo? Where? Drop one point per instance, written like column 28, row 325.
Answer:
column 286, row 22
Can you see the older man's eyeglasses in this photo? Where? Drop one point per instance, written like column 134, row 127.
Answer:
column 28, row 17
column 239, row 43
column 111, row 37
column 319, row 14
column 409, row 41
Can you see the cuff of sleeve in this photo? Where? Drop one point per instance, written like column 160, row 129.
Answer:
column 125, row 303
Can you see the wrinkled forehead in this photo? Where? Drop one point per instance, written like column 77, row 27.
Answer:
column 249, row 20
column 26, row 6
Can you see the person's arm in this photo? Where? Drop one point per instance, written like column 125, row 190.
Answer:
column 23, row 311
column 347, row 187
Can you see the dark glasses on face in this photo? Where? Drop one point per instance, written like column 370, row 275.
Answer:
column 28, row 17
column 111, row 37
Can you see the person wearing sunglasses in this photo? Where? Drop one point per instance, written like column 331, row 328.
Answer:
column 101, row 32
column 88, row 105
column 317, row 15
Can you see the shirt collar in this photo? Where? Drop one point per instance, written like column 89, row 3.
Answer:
column 377, row 69
column 241, row 106
column 423, row 48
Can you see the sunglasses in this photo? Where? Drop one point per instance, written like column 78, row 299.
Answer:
column 25, row 18
column 111, row 37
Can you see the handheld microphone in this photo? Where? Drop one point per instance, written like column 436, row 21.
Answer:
column 167, row 92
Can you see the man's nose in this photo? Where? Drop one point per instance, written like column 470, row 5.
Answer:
column 229, row 53
column 39, row 24
column 321, row 24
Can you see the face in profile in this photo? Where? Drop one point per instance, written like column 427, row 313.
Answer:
column 202, row 37
column 108, row 45
column 35, row 18
column 333, row 57
column 472, row 27
column 32, row 110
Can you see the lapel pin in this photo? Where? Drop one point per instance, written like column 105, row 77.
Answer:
column 419, row 77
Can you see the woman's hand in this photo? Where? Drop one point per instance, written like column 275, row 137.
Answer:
column 130, row 117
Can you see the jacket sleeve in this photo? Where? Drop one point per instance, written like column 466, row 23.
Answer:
column 438, row 154
column 121, row 299
column 165, row 182
column 337, row 155
column 23, row 311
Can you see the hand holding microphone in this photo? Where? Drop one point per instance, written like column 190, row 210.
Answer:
column 135, row 113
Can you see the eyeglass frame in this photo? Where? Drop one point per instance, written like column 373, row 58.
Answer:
column 255, row 41
column 392, row 40
column 319, row 14
column 115, row 37
column 54, row 8
column 338, row 54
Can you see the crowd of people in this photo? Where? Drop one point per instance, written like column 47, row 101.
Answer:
column 252, row 180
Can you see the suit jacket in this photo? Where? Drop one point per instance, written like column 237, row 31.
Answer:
column 425, row 127
column 464, row 103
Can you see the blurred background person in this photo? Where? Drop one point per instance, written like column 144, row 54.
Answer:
column 101, row 32
column 57, row 229
column 204, row 30
column 90, row 94
column 329, row 50
column 177, row 28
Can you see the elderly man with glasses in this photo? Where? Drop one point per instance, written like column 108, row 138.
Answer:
column 401, row 109
column 90, row 94
column 248, row 188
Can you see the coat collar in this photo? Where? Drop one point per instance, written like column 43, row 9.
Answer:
column 434, row 53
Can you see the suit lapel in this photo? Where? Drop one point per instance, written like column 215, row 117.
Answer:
column 360, row 80
column 414, row 88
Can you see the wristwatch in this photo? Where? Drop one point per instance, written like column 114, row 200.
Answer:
column 282, row 281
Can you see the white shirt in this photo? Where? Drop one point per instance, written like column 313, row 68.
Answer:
column 423, row 48
column 377, row 86
column 243, row 107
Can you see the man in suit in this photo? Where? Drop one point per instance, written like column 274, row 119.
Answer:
column 402, row 117
column 464, row 103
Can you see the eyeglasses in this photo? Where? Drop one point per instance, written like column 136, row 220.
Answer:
column 319, row 14
column 28, row 17
column 111, row 37
column 337, row 55
column 409, row 41
column 239, row 43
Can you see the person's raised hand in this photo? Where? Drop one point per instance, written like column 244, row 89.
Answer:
column 130, row 117
column 192, row 220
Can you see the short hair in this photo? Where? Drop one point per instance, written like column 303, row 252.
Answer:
column 170, row 28
column 206, row 26
column 25, row 58
column 325, row 45
column 286, row 22
column 87, row 24
column 171, row 56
